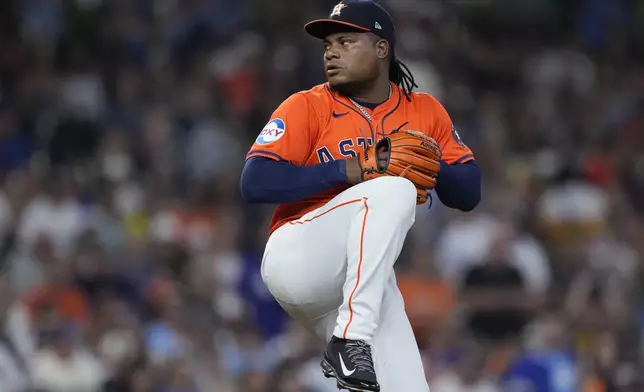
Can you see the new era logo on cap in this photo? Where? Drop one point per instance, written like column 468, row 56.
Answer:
column 377, row 25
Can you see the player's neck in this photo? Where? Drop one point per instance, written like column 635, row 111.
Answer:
column 376, row 93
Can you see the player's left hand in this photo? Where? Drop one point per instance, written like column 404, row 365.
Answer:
column 409, row 154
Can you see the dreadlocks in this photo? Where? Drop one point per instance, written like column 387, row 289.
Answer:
column 401, row 75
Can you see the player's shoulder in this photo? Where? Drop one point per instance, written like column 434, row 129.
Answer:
column 425, row 100
column 315, row 101
column 320, row 91
column 317, row 96
column 427, row 104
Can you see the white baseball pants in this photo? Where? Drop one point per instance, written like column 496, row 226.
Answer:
column 332, row 270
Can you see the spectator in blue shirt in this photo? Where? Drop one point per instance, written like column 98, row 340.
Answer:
column 547, row 366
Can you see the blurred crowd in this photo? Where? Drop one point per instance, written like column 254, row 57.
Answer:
column 130, row 263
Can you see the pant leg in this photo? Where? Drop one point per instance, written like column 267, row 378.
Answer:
column 341, row 255
column 397, row 360
column 374, row 244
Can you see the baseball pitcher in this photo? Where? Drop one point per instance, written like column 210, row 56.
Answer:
column 347, row 162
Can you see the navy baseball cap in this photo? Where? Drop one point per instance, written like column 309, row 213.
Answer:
column 355, row 15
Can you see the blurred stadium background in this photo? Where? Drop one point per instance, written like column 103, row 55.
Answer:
column 129, row 262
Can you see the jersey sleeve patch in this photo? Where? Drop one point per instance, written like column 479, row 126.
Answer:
column 457, row 137
column 272, row 132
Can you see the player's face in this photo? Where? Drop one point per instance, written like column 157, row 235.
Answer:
column 349, row 58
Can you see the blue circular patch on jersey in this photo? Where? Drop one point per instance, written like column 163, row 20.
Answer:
column 272, row 132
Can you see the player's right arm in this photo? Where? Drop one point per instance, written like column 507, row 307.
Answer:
column 275, row 170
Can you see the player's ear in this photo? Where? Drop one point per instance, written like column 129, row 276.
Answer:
column 382, row 49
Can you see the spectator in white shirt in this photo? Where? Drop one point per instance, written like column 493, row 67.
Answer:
column 65, row 366
column 467, row 376
column 57, row 215
column 468, row 241
column 17, row 341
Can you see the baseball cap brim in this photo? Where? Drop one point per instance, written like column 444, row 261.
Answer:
column 321, row 28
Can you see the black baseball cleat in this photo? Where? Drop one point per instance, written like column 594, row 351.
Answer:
column 350, row 362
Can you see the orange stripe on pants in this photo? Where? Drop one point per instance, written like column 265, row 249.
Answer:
column 364, row 224
column 326, row 212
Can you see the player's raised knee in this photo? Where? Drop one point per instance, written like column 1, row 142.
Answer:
column 395, row 191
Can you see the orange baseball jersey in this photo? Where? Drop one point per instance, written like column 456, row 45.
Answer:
column 320, row 125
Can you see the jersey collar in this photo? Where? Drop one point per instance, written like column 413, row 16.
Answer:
column 388, row 106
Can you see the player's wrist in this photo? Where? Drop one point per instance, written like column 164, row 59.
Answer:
column 353, row 170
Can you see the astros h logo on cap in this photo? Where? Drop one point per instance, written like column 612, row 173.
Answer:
column 337, row 9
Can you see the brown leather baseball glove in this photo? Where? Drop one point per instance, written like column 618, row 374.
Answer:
column 408, row 154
